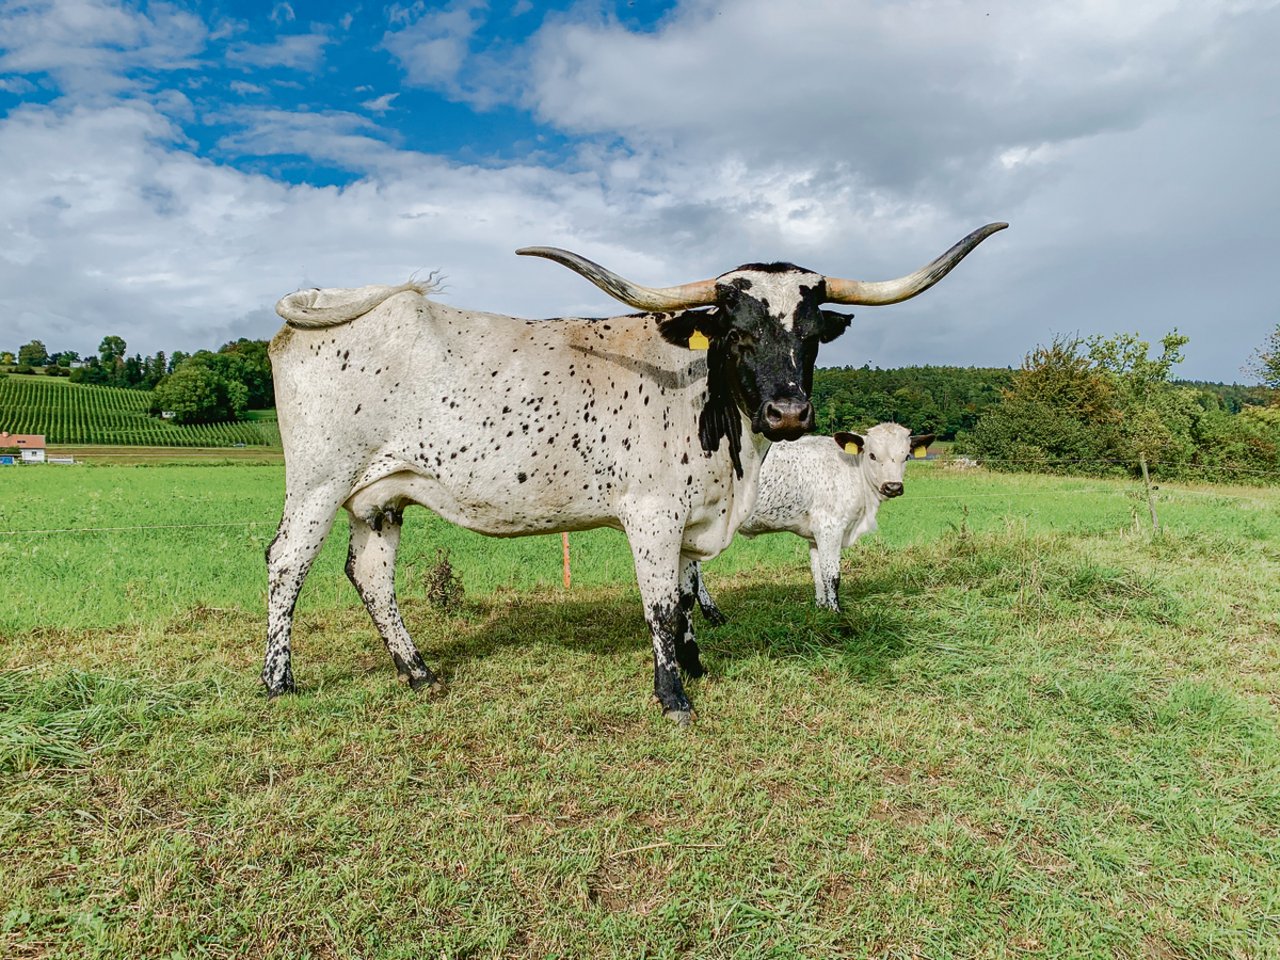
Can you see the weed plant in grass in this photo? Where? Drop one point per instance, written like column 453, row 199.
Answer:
column 1034, row 731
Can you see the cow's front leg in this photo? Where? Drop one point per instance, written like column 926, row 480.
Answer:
column 371, row 567
column 706, row 602
column 656, row 551
column 686, row 643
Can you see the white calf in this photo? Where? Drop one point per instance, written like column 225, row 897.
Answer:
column 829, row 493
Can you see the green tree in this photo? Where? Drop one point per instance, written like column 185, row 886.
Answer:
column 1154, row 423
column 195, row 393
column 1265, row 364
column 33, row 354
column 247, row 363
column 110, row 350
column 92, row 372
column 1058, row 415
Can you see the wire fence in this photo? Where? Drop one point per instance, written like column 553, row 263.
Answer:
column 1166, row 491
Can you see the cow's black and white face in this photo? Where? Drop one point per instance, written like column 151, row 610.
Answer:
column 764, row 335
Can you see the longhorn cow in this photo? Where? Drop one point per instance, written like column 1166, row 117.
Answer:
column 511, row 427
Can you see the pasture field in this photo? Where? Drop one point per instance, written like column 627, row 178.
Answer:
column 1036, row 730
column 75, row 413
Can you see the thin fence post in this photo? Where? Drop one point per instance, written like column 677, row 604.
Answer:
column 1151, row 500
column 564, row 542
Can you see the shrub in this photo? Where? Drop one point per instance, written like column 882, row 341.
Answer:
column 444, row 588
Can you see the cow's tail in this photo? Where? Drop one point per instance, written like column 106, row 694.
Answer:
column 317, row 309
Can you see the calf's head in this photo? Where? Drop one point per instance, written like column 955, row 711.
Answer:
column 885, row 450
column 761, row 325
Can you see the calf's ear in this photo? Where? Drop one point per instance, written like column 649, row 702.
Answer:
column 833, row 324
column 695, row 329
column 920, row 445
column 850, row 443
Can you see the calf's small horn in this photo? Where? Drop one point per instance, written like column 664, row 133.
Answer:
column 880, row 292
column 697, row 294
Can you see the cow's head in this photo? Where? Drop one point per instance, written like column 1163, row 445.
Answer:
column 762, row 328
column 885, row 450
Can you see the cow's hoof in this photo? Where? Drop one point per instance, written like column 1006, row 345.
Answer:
column 277, row 686
column 681, row 718
column 714, row 617
column 431, row 684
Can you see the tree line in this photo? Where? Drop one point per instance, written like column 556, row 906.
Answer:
column 939, row 400
column 1107, row 405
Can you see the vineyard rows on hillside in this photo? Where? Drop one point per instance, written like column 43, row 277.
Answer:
column 73, row 413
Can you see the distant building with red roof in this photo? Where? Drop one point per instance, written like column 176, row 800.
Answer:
column 30, row 445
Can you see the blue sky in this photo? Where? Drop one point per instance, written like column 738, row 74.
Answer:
column 170, row 170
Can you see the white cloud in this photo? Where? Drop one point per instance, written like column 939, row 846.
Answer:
column 294, row 51
column 16, row 85
column 282, row 13
column 90, row 46
column 245, row 89
column 434, row 44
column 345, row 140
column 380, row 105
column 898, row 87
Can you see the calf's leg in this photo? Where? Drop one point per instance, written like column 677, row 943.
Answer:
column 371, row 567
column 824, row 561
column 706, row 602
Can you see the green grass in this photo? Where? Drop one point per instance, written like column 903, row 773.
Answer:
column 1035, row 731
column 73, row 413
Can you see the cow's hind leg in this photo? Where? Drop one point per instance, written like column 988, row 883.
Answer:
column 686, row 643
column 303, row 528
column 656, row 551
column 706, row 602
column 371, row 567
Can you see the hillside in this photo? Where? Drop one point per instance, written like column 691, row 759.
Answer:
column 70, row 413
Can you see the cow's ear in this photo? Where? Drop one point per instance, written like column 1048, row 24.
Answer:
column 920, row 445
column 833, row 324
column 695, row 329
column 850, row 443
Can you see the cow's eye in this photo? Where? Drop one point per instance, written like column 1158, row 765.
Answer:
column 871, row 455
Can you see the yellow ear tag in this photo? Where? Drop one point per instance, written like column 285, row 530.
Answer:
column 852, row 448
column 698, row 341
column 920, row 452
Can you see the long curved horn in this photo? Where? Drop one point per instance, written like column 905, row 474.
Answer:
column 642, row 298
column 880, row 292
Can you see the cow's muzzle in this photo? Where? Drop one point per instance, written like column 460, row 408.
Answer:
column 786, row 419
column 891, row 490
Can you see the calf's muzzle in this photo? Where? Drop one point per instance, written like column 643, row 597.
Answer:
column 891, row 490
